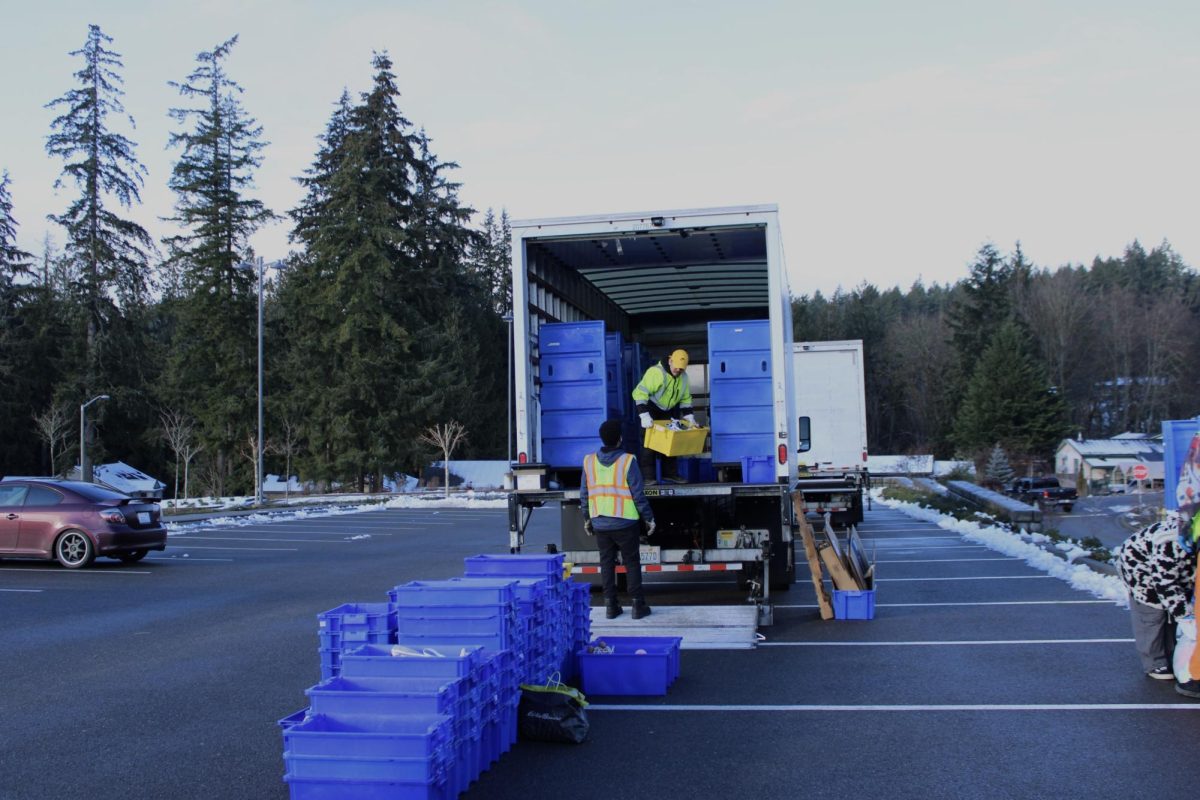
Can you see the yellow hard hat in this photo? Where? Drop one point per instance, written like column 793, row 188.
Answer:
column 679, row 359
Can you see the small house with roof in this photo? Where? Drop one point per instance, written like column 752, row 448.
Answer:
column 1106, row 461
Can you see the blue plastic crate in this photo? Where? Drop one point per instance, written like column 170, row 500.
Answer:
column 374, row 737
column 758, row 469
column 741, row 402
column 348, row 637
column 463, row 627
column 627, row 672
column 515, row 565
column 397, row 661
column 854, row 604
column 319, row 789
column 369, row 616
column 380, row 696
column 573, row 389
column 657, row 645
column 429, row 593
column 294, row 718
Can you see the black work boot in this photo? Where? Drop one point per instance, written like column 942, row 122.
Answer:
column 640, row 609
column 613, row 610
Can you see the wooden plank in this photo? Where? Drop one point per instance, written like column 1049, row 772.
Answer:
column 814, row 562
column 837, row 570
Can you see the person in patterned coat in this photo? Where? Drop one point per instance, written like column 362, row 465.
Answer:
column 1158, row 571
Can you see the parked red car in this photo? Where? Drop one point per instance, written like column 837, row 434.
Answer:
column 73, row 522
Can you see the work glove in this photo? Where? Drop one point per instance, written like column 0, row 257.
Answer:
column 690, row 419
column 645, row 418
column 650, row 526
column 587, row 528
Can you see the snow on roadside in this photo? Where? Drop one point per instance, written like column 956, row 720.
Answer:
column 1107, row 587
column 469, row 500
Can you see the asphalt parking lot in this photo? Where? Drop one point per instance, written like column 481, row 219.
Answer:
column 979, row 677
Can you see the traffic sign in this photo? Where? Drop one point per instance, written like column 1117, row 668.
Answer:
column 1141, row 472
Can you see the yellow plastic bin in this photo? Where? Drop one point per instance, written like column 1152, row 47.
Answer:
column 675, row 443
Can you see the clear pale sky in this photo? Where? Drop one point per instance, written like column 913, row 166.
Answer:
column 896, row 138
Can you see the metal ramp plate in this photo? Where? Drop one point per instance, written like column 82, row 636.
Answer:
column 700, row 627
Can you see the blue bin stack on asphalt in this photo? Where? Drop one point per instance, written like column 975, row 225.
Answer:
column 419, row 695
column 351, row 625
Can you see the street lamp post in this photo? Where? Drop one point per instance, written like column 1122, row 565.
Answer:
column 85, row 470
column 260, row 267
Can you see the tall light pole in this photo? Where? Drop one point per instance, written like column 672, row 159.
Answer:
column 508, row 319
column 260, row 267
column 85, row 469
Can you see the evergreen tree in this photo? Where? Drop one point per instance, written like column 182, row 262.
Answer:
column 13, row 260
column 212, row 366
column 983, row 305
column 492, row 259
column 998, row 471
column 1009, row 401
column 110, row 252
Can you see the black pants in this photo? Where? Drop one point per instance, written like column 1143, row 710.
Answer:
column 650, row 457
column 625, row 540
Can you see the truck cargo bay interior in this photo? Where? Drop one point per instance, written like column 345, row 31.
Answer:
column 658, row 287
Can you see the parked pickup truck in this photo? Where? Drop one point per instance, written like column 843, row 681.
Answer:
column 1044, row 492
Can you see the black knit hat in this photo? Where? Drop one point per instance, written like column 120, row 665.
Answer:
column 610, row 432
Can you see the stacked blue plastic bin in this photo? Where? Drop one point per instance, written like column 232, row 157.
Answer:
column 419, row 695
column 351, row 625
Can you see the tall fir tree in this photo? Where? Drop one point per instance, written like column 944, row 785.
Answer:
column 31, row 335
column 1009, row 401
column 110, row 252
column 212, row 368
column 984, row 304
column 492, row 259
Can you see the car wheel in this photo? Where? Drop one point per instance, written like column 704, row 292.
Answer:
column 74, row 549
column 134, row 557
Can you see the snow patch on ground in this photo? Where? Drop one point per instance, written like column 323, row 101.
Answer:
column 467, row 499
column 1107, row 587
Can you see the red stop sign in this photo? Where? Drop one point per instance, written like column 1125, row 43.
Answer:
column 1141, row 472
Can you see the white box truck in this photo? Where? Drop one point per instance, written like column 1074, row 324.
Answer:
column 831, row 428
column 639, row 285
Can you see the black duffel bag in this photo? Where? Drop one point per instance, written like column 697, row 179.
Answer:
column 552, row 713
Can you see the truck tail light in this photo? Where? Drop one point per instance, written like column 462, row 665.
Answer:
column 864, row 456
column 1046, row 493
column 522, row 458
column 783, row 454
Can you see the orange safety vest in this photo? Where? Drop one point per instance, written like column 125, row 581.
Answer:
column 608, row 488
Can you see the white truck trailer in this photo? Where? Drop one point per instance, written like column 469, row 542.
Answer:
column 831, row 428
column 596, row 300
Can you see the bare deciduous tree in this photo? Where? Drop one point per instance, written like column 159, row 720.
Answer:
column 52, row 427
column 178, row 429
column 445, row 438
column 288, row 446
column 190, row 451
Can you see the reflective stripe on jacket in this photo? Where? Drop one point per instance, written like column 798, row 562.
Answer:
column 608, row 488
column 663, row 389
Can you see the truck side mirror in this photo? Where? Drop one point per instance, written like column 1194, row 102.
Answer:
column 804, row 434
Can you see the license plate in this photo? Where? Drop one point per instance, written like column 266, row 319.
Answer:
column 649, row 554
column 144, row 517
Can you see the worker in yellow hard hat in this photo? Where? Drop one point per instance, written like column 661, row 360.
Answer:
column 664, row 393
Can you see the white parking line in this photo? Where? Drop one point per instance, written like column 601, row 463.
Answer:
column 220, row 547
column 943, row 560
column 914, row 538
column 186, row 559
column 949, row 643
column 987, row 603
column 22, row 590
column 976, row 578
column 262, row 539
column 910, row 708
column 114, row 571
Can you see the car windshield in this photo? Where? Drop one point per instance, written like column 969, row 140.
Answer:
column 1045, row 483
column 90, row 491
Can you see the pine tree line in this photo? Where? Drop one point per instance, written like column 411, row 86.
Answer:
column 1021, row 356
column 385, row 320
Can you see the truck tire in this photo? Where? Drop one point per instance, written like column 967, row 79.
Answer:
column 1067, row 507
